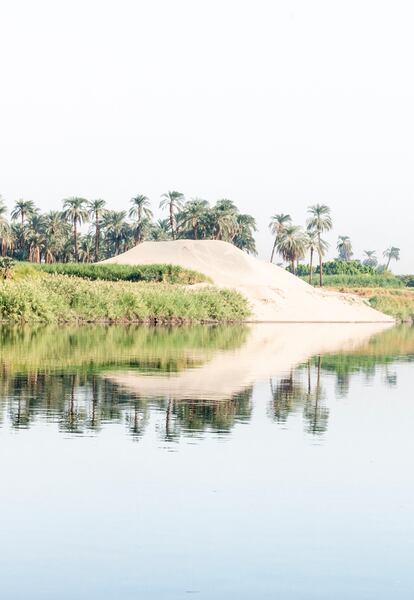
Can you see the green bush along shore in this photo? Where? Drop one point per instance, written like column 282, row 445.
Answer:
column 59, row 298
column 112, row 272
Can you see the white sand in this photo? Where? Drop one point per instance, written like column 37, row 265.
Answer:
column 270, row 350
column 274, row 293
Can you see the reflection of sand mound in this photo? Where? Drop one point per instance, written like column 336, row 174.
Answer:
column 275, row 294
column 269, row 350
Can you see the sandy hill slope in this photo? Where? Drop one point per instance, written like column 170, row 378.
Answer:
column 274, row 294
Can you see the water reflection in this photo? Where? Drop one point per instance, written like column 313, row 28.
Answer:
column 189, row 381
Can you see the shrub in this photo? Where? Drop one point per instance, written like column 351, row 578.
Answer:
column 109, row 272
column 7, row 265
column 370, row 281
column 57, row 298
column 408, row 280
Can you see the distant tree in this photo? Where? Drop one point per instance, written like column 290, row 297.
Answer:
column 370, row 259
column 277, row 225
column 115, row 232
column 22, row 210
column 291, row 245
column 35, row 240
column 224, row 216
column 193, row 215
column 173, row 201
column 87, row 248
column 96, row 211
column 344, row 247
column 160, row 231
column 6, row 237
column 139, row 211
column 314, row 244
column 319, row 221
column 244, row 238
column 390, row 254
column 75, row 211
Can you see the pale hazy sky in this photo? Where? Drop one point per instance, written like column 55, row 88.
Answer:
column 274, row 104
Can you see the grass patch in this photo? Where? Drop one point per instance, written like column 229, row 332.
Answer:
column 398, row 303
column 58, row 298
column 361, row 280
column 158, row 273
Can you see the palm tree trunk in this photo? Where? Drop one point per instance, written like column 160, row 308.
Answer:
column 96, row 237
column 388, row 263
column 320, row 271
column 311, row 266
column 320, row 261
column 172, row 221
column 273, row 249
column 75, row 240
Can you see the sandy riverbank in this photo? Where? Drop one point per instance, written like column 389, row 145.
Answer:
column 275, row 295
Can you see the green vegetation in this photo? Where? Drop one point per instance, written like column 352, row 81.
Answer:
column 293, row 243
column 398, row 303
column 57, row 236
column 349, row 281
column 109, row 272
column 353, row 273
column 58, row 298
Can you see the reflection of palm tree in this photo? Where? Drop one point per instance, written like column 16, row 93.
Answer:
column 287, row 396
column 315, row 413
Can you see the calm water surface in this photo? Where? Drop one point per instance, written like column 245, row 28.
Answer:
column 217, row 462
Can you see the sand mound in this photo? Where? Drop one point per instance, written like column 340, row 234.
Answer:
column 274, row 294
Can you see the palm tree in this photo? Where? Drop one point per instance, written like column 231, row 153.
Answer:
column 319, row 220
column 174, row 202
column 244, row 239
column 75, row 211
column 160, row 231
column 370, row 258
column 313, row 244
column 23, row 209
column 139, row 210
column 114, row 225
column 224, row 215
column 35, row 241
column 390, row 254
column 193, row 214
column 277, row 225
column 291, row 245
column 87, row 248
column 56, row 233
column 96, row 212
column 344, row 247
column 6, row 238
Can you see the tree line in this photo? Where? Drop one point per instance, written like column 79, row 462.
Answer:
column 293, row 243
column 56, row 236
